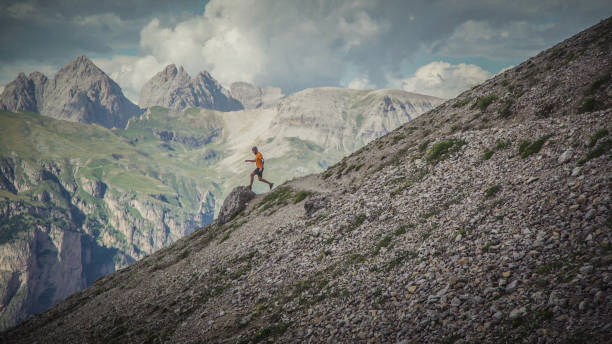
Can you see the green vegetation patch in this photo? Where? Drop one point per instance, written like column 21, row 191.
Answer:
column 462, row 102
column 492, row 191
column 596, row 152
column 487, row 154
column 300, row 196
column 400, row 258
column 484, row 102
column 280, row 196
column 589, row 104
column 444, row 149
column 601, row 133
column 527, row 148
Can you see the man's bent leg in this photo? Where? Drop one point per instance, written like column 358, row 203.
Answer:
column 265, row 181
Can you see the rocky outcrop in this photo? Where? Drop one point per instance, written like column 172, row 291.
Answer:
column 175, row 89
column 234, row 203
column 79, row 92
column 253, row 97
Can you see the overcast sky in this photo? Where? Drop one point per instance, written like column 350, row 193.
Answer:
column 431, row 47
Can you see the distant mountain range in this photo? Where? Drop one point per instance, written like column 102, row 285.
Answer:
column 78, row 201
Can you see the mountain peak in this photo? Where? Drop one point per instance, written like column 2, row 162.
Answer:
column 174, row 88
column 79, row 92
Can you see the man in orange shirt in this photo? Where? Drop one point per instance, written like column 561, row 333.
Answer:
column 259, row 162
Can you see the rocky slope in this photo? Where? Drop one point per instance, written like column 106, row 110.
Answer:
column 487, row 219
column 175, row 89
column 123, row 194
column 79, row 92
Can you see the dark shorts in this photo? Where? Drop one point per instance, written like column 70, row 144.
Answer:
column 258, row 172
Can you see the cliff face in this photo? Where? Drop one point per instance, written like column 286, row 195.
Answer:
column 484, row 220
column 64, row 225
column 175, row 89
column 79, row 92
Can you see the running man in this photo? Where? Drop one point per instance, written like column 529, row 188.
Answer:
column 259, row 162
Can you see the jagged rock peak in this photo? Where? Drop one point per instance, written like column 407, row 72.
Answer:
column 174, row 88
column 79, row 92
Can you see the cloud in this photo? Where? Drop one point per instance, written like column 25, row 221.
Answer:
column 130, row 72
column 292, row 44
column 360, row 83
column 515, row 39
column 442, row 79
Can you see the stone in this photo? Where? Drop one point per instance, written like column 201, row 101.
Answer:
column 506, row 274
column 316, row 203
column 576, row 171
column 498, row 316
column 234, row 203
column 518, row 313
column 586, row 269
column 511, row 286
column 412, row 288
column 462, row 261
column 566, row 156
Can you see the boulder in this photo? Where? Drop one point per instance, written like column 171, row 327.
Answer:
column 234, row 203
column 312, row 205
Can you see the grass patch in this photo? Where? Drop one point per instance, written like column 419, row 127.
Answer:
column 280, row 196
column 506, row 112
column 358, row 220
column 423, row 146
column 527, row 148
column 463, row 102
column 597, row 84
column 487, row 154
column 400, row 258
column 484, row 102
column 300, row 196
column 385, row 242
column 596, row 152
column 444, row 149
column 601, row 133
column 492, row 191
column 589, row 104
column 499, row 145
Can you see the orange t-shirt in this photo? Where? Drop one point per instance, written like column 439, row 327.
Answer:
column 259, row 160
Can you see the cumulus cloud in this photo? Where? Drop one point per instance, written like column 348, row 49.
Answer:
column 130, row 72
column 288, row 44
column 442, row 79
column 360, row 83
column 291, row 44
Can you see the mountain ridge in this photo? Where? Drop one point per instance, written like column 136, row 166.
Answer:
column 174, row 88
column 79, row 92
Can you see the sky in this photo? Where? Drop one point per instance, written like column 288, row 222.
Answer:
column 431, row 47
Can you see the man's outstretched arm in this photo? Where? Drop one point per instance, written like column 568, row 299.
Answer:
column 249, row 161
